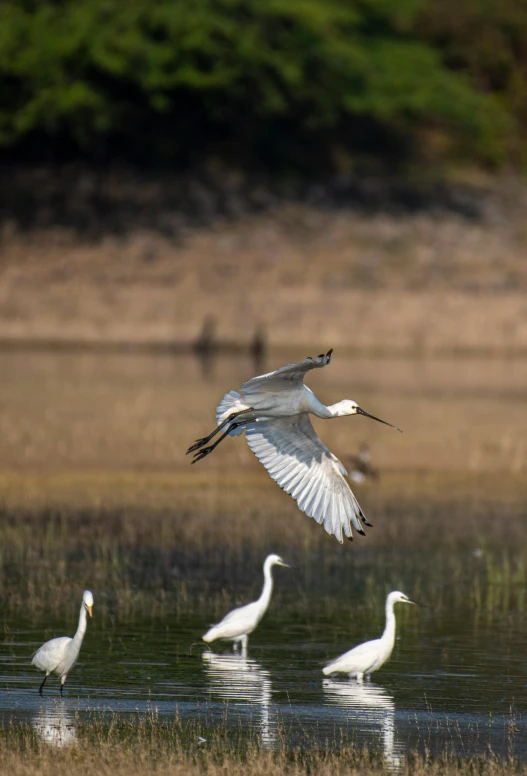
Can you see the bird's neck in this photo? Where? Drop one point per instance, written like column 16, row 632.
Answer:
column 313, row 405
column 334, row 411
column 267, row 588
column 321, row 411
column 389, row 629
column 81, row 628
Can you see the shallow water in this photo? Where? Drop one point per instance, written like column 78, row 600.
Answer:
column 457, row 680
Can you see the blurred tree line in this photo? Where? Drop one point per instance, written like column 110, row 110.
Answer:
column 305, row 84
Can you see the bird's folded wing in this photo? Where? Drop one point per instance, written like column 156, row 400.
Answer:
column 363, row 650
column 359, row 657
column 303, row 466
column 236, row 614
column 286, row 376
column 51, row 653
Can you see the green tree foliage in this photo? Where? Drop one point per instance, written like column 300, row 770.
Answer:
column 487, row 40
column 173, row 79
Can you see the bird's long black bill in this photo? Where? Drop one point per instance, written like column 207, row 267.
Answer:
column 409, row 601
column 367, row 415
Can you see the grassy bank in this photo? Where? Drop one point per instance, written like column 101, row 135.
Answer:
column 161, row 748
column 156, row 545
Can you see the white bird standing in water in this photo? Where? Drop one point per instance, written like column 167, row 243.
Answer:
column 59, row 655
column 241, row 622
column 273, row 410
column 362, row 660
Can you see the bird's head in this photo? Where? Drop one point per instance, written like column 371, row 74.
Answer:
column 350, row 407
column 396, row 597
column 276, row 560
column 87, row 600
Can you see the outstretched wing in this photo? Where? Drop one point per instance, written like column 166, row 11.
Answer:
column 284, row 378
column 303, row 466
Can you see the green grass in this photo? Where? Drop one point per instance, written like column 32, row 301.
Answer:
column 160, row 559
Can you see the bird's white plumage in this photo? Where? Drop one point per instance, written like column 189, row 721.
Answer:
column 274, row 411
column 59, row 655
column 304, row 467
column 53, row 655
column 241, row 621
column 286, row 377
column 238, row 624
column 365, row 658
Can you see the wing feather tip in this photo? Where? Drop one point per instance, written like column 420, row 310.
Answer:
column 364, row 520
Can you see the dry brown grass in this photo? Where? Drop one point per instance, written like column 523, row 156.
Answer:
column 141, row 749
column 422, row 283
column 200, row 512
column 138, row 413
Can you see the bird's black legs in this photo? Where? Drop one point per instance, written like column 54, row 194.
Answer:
column 200, row 442
column 42, row 685
column 61, row 688
column 206, row 450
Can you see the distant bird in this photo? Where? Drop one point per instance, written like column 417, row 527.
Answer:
column 273, row 410
column 241, row 622
column 206, row 341
column 258, row 347
column 58, row 656
column 360, row 466
column 362, row 660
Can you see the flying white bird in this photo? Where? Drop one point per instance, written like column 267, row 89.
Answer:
column 273, row 410
column 368, row 657
column 58, row 656
column 241, row 622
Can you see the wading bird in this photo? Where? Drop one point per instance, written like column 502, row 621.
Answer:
column 360, row 466
column 362, row 660
column 59, row 655
column 274, row 410
column 241, row 622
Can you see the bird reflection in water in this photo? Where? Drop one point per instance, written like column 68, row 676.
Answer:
column 242, row 680
column 56, row 725
column 371, row 710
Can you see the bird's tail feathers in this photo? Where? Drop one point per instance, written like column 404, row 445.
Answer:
column 230, row 403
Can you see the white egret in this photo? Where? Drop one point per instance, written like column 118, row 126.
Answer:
column 362, row 660
column 241, row 622
column 273, row 410
column 59, row 655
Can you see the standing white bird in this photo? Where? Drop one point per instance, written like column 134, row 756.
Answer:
column 238, row 624
column 273, row 410
column 368, row 657
column 59, row 655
